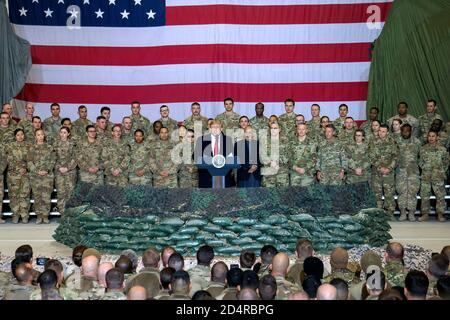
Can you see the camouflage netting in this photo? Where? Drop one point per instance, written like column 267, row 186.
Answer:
column 112, row 219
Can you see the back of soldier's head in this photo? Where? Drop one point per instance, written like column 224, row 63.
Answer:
column 416, row 284
column 103, row 268
column 137, row 293
column 390, row 294
column 438, row 265
column 77, row 254
column 14, row 264
column 219, row 272
column 267, row 254
column 48, row 280
column 202, row 295
column 341, row 287
column 280, row 263
column 247, row 259
column 150, row 258
column 89, row 265
column 114, row 278
column 54, row 265
column 443, row 287
column 310, row 286
column 25, row 253
column 326, row 292
column 339, row 258
column 395, row 251
column 313, row 266
column 247, row 294
column 176, row 261
column 166, row 252
column 131, row 254
column 180, row 282
column 446, row 252
column 23, row 273
column 250, row 280
column 234, row 277
column 267, row 287
column 304, row 249
column 124, row 264
column 165, row 277
column 205, row 254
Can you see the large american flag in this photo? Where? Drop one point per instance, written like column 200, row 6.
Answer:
column 111, row 52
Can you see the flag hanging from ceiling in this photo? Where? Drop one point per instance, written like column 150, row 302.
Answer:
column 175, row 52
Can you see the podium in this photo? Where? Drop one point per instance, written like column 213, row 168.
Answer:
column 218, row 167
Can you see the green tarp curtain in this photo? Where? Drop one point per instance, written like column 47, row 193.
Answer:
column 15, row 58
column 411, row 59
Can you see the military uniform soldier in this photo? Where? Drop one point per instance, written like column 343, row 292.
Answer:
column 434, row 162
column 102, row 134
column 116, row 159
column 229, row 118
column 139, row 121
column 106, row 112
column 41, row 162
column 166, row 121
column 339, row 122
column 259, row 121
column 303, row 158
column 427, row 119
column 140, row 169
column 406, row 118
column 357, row 154
column 347, row 134
column 52, row 124
column 188, row 174
column 127, row 130
column 331, row 160
column 3, row 164
column 88, row 155
column 407, row 175
column 274, row 155
column 314, row 125
column 65, row 167
column 367, row 126
column 287, row 120
column 164, row 169
column 383, row 154
column 17, row 177
column 79, row 125
column 190, row 121
column 25, row 123
column 6, row 129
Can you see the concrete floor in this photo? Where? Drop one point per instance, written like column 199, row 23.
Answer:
column 430, row 235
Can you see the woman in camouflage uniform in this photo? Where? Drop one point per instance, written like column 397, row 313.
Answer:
column 65, row 167
column 374, row 127
column 41, row 160
column 139, row 172
column 17, row 177
column 116, row 159
column 396, row 133
column 358, row 159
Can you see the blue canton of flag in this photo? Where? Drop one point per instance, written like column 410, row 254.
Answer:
column 89, row 13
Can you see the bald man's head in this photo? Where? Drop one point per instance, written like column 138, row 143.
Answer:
column 24, row 274
column 339, row 258
column 124, row 263
column 165, row 255
column 103, row 268
column 326, row 292
column 247, row 294
column 89, row 266
column 280, row 264
column 219, row 272
column 298, row 296
column 394, row 252
column 137, row 293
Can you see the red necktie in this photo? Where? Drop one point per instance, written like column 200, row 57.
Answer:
column 216, row 147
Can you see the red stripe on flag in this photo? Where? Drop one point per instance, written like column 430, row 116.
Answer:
column 351, row 91
column 283, row 14
column 213, row 53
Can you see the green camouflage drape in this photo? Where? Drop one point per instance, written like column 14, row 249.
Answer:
column 411, row 58
column 15, row 58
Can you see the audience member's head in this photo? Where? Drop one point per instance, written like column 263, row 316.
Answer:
column 370, row 258
column 326, row 292
column 181, row 283
column 124, row 264
column 56, row 266
column 313, row 266
column 24, row 253
column 250, row 280
column 165, row 255
column 446, row 252
column 205, row 254
column 339, row 258
column 267, row 254
column 114, row 279
column 24, row 274
column 267, row 287
column 437, row 266
column 202, row 295
column 151, row 258
column 394, row 252
column 92, row 252
column 304, row 249
column 310, row 286
column 234, row 277
column 443, row 287
column 390, row 294
column 301, row 295
column 165, row 277
column 219, row 272
column 48, row 280
column 416, row 285
column 131, row 254
column 341, row 287
column 176, row 261
column 280, row 264
column 77, row 254
column 247, row 294
column 89, row 265
column 137, row 293
column 247, row 259
column 103, row 268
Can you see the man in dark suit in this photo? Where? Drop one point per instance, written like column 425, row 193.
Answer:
column 207, row 146
column 249, row 174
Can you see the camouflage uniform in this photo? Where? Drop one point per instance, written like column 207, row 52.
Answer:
column 287, row 125
column 434, row 162
column 109, row 125
column 285, row 288
column 64, row 292
column 190, row 121
column 18, row 183
column 272, row 177
column 228, row 294
column 7, row 134
column 169, row 123
column 346, row 137
column 161, row 160
column 407, row 176
column 339, row 125
column 41, row 158
column 263, row 270
column 114, row 295
column 27, row 127
column 425, row 122
column 384, row 153
column 303, row 155
column 102, row 135
column 187, row 179
column 331, row 160
column 65, row 183
column 18, row 292
column 294, row 274
column 116, row 155
column 51, row 128
column 139, row 159
column 395, row 273
column 408, row 119
column 200, row 275
column 367, row 127
column 88, row 155
column 79, row 127
column 259, row 123
column 129, row 137
column 141, row 122
column 397, row 136
column 3, row 165
column 314, row 127
column 344, row 274
column 90, row 289
column 229, row 121
column 215, row 288
column 358, row 157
